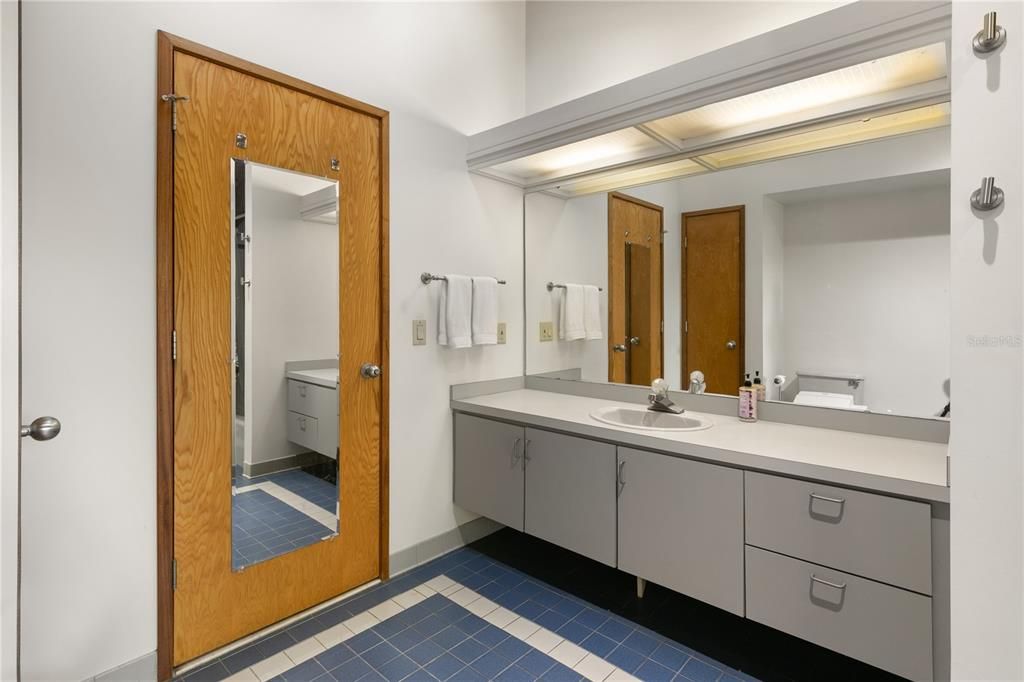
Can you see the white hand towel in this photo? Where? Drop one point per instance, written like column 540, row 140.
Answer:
column 571, row 325
column 592, row 312
column 485, row 311
column 455, row 310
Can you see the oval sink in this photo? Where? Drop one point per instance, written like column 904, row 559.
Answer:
column 640, row 418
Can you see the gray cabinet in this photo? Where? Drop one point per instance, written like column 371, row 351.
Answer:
column 489, row 469
column 570, row 493
column 681, row 526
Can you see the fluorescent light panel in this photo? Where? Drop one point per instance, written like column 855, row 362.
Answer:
column 579, row 157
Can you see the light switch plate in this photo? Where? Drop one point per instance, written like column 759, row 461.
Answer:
column 547, row 331
column 501, row 332
column 419, row 332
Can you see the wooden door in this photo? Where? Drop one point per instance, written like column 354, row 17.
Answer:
column 635, row 290
column 290, row 128
column 712, row 295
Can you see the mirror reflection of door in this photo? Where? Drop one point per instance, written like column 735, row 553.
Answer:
column 272, row 253
column 712, row 295
column 635, row 290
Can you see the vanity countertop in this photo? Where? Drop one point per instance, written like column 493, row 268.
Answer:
column 884, row 464
column 321, row 377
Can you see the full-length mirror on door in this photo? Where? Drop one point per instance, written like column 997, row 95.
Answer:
column 285, row 281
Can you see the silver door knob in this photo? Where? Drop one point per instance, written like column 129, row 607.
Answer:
column 730, row 344
column 369, row 371
column 619, row 348
column 43, row 428
column 634, row 340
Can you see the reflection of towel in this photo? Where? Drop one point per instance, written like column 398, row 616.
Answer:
column 485, row 311
column 455, row 312
column 571, row 326
column 592, row 312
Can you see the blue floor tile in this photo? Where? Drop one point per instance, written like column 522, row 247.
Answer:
column 649, row 671
column 625, row 658
column 699, row 671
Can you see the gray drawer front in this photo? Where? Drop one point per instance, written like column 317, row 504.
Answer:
column 570, row 493
column 303, row 430
column 881, row 625
column 312, row 400
column 874, row 536
column 681, row 526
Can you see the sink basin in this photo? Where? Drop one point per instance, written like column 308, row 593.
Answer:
column 641, row 418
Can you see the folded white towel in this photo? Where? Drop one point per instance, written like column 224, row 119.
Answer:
column 571, row 326
column 455, row 312
column 592, row 312
column 485, row 311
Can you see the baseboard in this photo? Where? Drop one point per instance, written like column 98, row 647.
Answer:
column 142, row 668
column 274, row 465
column 420, row 553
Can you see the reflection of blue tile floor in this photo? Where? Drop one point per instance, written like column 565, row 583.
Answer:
column 264, row 526
column 316, row 490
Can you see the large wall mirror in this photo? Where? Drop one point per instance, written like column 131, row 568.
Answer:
column 285, row 274
column 821, row 267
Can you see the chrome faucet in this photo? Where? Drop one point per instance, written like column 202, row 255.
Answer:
column 659, row 400
column 697, row 384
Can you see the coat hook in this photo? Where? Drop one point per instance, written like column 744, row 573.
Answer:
column 241, row 140
column 988, row 197
column 335, row 165
column 991, row 37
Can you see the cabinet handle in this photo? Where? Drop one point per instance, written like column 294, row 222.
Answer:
column 620, row 479
column 837, row 586
column 302, row 423
column 515, row 452
column 834, row 500
column 526, row 453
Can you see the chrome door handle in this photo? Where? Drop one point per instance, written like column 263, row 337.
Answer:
column 369, row 371
column 515, row 452
column 42, row 428
column 730, row 344
column 634, row 340
column 526, row 453
column 620, row 479
column 619, row 348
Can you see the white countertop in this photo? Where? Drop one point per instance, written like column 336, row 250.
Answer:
column 897, row 466
column 321, row 377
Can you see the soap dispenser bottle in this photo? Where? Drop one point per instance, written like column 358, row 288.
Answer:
column 748, row 401
column 759, row 388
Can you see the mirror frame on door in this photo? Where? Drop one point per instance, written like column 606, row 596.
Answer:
column 167, row 46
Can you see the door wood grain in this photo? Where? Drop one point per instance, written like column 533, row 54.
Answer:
column 289, row 125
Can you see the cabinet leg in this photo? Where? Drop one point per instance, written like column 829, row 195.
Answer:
column 641, row 585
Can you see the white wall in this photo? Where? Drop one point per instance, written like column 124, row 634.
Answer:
column 294, row 311
column 747, row 186
column 9, row 379
column 575, row 48
column 89, row 101
column 986, row 440
column 866, row 291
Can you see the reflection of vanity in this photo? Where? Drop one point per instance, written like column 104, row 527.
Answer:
column 313, row 407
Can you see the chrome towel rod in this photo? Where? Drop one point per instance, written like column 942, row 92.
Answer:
column 427, row 278
column 552, row 286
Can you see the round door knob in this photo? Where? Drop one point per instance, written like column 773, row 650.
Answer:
column 619, row 348
column 730, row 344
column 369, row 371
column 43, row 428
column 634, row 340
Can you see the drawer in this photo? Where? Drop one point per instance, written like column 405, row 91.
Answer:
column 881, row 625
column 303, row 430
column 312, row 400
column 874, row 536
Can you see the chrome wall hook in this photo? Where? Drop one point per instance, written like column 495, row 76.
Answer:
column 988, row 197
column 991, row 37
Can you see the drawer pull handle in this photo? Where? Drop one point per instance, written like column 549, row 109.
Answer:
column 834, row 500
column 837, row 586
column 515, row 452
column 620, row 479
column 302, row 391
column 302, row 424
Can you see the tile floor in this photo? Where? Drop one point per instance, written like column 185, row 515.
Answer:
column 278, row 513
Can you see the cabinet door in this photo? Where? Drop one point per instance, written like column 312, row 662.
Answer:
column 681, row 526
column 570, row 493
column 489, row 469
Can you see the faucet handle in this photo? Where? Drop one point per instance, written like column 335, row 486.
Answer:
column 659, row 387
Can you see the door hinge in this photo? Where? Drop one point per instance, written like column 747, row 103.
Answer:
column 686, row 327
column 685, row 242
column 174, row 574
column 663, row 326
column 174, row 344
column 174, row 99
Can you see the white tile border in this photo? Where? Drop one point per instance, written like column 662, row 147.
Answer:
column 591, row 666
column 296, row 502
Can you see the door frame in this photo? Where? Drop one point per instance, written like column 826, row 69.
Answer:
column 611, row 299
column 742, row 339
column 167, row 45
